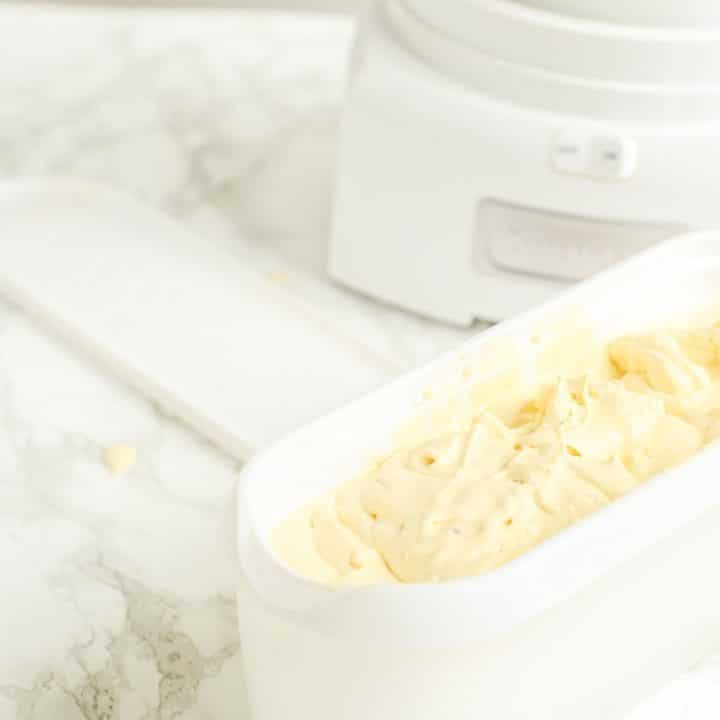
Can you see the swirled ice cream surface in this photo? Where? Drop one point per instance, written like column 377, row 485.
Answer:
column 514, row 459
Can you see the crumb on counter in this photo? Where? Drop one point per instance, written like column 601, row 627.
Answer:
column 279, row 277
column 119, row 458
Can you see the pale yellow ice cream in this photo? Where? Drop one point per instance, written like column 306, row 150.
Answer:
column 527, row 461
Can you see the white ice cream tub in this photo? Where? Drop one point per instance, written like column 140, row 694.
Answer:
column 583, row 626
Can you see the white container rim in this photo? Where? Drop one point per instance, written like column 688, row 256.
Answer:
column 650, row 13
column 573, row 46
column 554, row 90
column 475, row 609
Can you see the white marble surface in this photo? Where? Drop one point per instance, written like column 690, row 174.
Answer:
column 117, row 592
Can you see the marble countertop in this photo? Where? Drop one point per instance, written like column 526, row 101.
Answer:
column 117, row 591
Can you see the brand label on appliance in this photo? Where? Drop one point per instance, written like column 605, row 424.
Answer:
column 556, row 245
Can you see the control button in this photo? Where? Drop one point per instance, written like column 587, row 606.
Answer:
column 613, row 157
column 570, row 153
column 593, row 154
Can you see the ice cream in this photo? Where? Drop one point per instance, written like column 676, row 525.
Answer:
column 530, row 459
